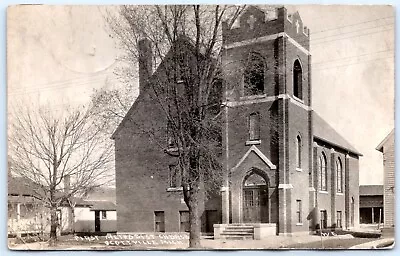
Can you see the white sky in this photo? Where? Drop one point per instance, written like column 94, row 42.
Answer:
column 57, row 55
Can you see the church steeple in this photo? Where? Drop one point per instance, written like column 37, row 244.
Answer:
column 267, row 53
column 256, row 22
column 266, row 65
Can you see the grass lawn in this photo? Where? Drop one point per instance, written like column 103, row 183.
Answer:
column 331, row 243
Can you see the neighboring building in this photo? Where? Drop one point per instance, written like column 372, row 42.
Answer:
column 287, row 170
column 105, row 216
column 387, row 148
column 95, row 212
column 26, row 212
column 103, row 193
column 371, row 204
column 28, row 215
column 89, row 217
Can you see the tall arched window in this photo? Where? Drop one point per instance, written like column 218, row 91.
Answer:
column 298, row 152
column 323, row 175
column 339, row 176
column 254, row 75
column 297, row 80
column 254, row 126
column 170, row 135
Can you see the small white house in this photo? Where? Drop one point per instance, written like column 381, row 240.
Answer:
column 98, row 216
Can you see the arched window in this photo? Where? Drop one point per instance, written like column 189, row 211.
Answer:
column 254, row 75
column 339, row 176
column 254, row 126
column 298, row 152
column 174, row 177
column 297, row 80
column 323, row 176
column 170, row 135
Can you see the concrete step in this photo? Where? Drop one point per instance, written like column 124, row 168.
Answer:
column 237, row 237
column 238, row 231
column 237, row 234
column 240, row 227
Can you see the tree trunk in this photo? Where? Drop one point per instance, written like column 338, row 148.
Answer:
column 73, row 220
column 53, row 226
column 196, row 209
column 195, row 223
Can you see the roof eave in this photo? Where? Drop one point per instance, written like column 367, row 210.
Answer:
column 108, row 210
column 339, row 146
column 182, row 39
column 124, row 120
column 380, row 146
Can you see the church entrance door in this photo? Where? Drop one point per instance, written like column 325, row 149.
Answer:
column 255, row 200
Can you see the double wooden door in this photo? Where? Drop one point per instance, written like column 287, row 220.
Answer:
column 255, row 204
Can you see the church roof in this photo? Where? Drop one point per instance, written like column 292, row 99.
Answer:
column 324, row 131
column 183, row 42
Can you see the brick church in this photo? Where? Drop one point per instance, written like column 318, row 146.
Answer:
column 286, row 169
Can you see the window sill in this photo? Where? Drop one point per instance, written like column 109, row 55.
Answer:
column 252, row 97
column 323, row 192
column 299, row 224
column 172, row 150
column 298, row 99
column 174, row 189
column 299, row 169
column 253, row 142
column 339, row 193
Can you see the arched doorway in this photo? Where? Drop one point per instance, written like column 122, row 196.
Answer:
column 255, row 199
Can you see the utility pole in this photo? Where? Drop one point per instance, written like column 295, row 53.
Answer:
column 320, row 233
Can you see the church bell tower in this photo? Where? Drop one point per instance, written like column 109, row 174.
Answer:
column 268, row 118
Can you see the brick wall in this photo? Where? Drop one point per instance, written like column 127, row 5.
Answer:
column 331, row 200
column 142, row 168
column 299, row 126
column 142, row 172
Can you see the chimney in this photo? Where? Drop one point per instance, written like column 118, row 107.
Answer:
column 145, row 62
column 67, row 183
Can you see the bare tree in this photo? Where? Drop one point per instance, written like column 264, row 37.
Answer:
column 65, row 154
column 187, row 89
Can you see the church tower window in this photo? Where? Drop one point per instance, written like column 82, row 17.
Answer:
column 298, row 152
column 297, row 80
column 254, row 126
column 254, row 75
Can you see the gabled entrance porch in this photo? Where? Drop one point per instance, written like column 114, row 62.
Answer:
column 250, row 202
